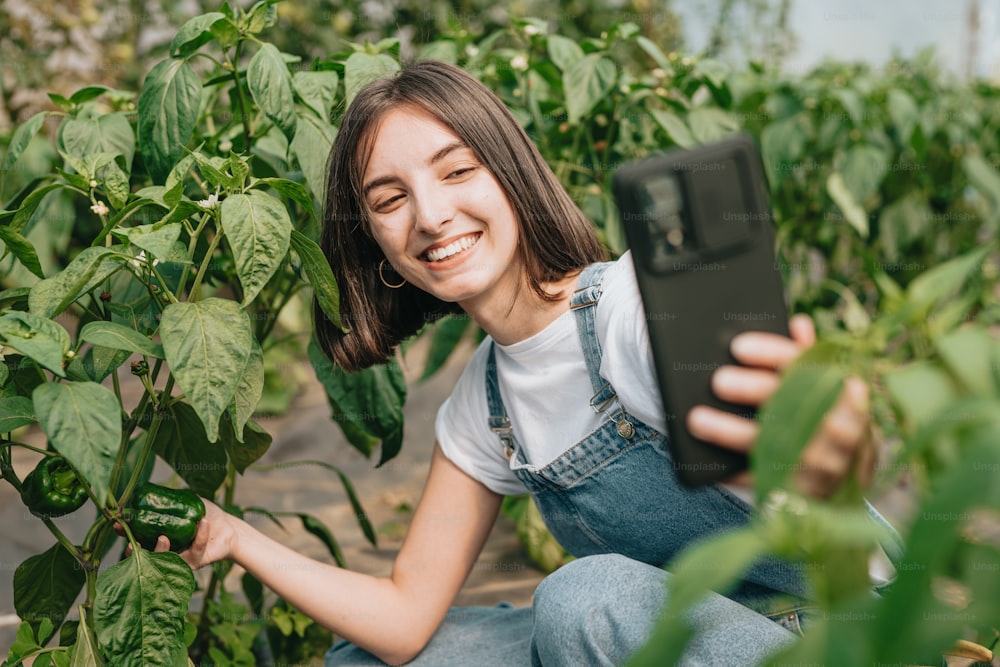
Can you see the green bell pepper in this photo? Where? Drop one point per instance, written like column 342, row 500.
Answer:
column 52, row 489
column 158, row 510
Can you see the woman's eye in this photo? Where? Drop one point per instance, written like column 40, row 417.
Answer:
column 386, row 204
column 460, row 172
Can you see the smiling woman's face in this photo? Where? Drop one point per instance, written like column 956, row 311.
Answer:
column 438, row 213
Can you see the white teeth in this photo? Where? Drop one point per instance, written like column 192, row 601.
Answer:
column 464, row 243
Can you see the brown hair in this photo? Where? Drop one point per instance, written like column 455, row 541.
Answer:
column 555, row 236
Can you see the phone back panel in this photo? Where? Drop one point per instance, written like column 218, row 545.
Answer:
column 698, row 223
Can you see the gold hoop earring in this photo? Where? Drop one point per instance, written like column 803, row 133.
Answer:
column 382, row 277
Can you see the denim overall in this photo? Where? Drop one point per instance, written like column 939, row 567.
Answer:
column 616, row 490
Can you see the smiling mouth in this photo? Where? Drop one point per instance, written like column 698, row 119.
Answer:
column 454, row 248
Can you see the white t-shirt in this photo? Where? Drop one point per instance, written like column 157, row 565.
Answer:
column 546, row 388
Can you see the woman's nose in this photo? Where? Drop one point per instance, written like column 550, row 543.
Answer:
column 431, row 211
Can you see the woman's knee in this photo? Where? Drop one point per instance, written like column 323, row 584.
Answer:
column 597, row 609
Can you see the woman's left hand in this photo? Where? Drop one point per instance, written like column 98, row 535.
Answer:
column 843, row 439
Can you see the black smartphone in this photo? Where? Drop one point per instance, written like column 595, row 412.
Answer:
column 698, row 223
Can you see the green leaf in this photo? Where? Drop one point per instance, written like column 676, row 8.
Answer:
column 863, row 170
column 983, row 176
column 182, row 443
column 115, row 185
column 782, row 145
column 87, row 93
column 211, row 168
column 963, row 352
column 157, row 241
column 36, row 337
column 25, row 644
column 120, row 337
column 921, row 390
column 83, row 423
column 195, row 33
column 675, row 128
column 110, row 133
column 206, row 344
column 442, row 49
column 904, row 114
column 360, row 69
column 447, row 335
column 654, row 52
column 15, row 412
column 311, row 146
column 915, row 619
column 714, row 564
column 271, row 87
column 932, row 286
column 586, row 83
column 92, row 266
column 248, row 390
column 86, row 651
column 320, row 276
column 790, row 417
column 848, row 205
column 21, row 248
column 317, row 528
column 30, row 204
column 22, row 137
column 318, row 90
column 294, row 191
column 902, row 222
column 244, row 451
column 168, row 110
column 368, row 404
column 541, row 547
column 709, row 124
column 140, row 607
column 262, row 15
column 563, row 51
column 46, row 585
column 97, row 363
column 259, row 230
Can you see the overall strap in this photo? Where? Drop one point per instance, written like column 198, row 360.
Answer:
column 499, row 422
column 583, row 304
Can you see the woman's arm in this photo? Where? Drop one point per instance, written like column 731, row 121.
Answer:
column 393, row 618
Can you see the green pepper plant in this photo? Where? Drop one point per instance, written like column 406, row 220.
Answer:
column 194, row 228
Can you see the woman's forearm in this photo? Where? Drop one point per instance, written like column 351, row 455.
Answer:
column 368, row 611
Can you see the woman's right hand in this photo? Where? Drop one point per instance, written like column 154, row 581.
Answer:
column 214, row 540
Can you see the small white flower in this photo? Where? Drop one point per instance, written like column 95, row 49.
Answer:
column 519, row 62
column 210, row 203
column 100, row 208
column 93, row 183
column 471, row 50
column 531, row 30
column 658, row 72
column 225, row 146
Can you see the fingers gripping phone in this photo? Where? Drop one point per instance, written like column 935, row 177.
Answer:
column 699, row 225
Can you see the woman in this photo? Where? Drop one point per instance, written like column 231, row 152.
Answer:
column 438, row 202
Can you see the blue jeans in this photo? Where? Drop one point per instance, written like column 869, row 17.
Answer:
column 594, row 611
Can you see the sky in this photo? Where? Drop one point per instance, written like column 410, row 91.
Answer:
column 873, row 30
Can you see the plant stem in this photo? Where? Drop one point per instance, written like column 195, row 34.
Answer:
column 192, row 245
column 63, row 540
column 244, row 107
column 147, row 445
column 196, row 286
